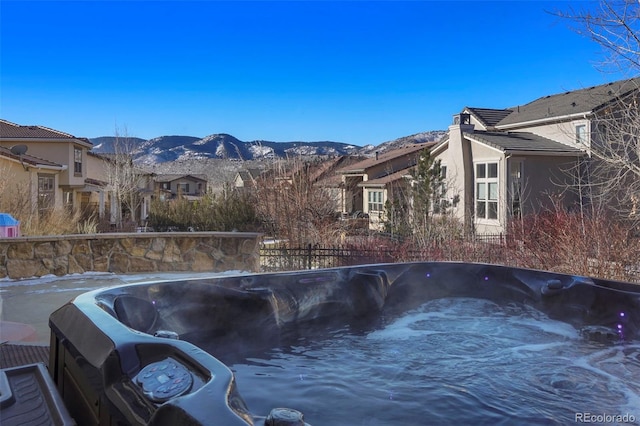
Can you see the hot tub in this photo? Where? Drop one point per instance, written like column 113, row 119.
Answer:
column 211, row 352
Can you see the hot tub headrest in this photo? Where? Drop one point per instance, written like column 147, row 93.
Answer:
column 137, row 313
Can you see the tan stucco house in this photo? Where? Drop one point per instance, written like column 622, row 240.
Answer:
column 368, row 184
column 54, row 163
column 36, row 179
column 246, row 178
column 61, row 172
column 507, row 162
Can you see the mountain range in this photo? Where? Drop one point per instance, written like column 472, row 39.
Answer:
column 223, row 146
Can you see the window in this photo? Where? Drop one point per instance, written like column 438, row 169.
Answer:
column 165, row 185
column 487, row 191
column 581, row 134
column 77, row 161
column 67, row 200
column 46, row 194
column 515, row 178
column 183, row 188
column 375, row 201
column 440, row 198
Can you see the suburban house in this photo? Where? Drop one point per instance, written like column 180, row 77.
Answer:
column 135, row 185
column 191, row 187
column 34, row 180
column 53, row 163
column 368, row 184
column 59, row 170
column 503, row 163
column 246, row 178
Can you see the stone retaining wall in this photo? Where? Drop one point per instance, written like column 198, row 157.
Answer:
column 28, row 257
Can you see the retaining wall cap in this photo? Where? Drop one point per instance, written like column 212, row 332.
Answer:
column 110, row 236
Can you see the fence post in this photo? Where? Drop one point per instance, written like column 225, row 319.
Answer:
column 309, row 256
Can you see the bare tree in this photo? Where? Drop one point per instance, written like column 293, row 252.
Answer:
column 124, row 180
column 293, row 206
column 613, row 179
column 614, row 25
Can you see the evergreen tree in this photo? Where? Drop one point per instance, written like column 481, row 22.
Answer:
column 428, row 190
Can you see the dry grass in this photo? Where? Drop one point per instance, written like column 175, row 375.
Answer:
column 15, row 200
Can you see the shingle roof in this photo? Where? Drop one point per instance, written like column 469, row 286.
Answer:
column 248, row 175
column 172, row 177
column 568, row 103
column 521, row 141
column 386, row 156
column 487, row 116
column 392, row 177
column 28, row 159
column 9, row 130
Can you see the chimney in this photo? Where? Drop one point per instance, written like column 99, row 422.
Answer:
column 377, row 154
column 464, row 122
column 460, row 163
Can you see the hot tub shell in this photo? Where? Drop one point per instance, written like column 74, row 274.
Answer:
column 111, row 348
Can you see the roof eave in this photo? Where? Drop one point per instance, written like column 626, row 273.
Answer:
column 85, row 143
column 371, row 185
column 546, row 153
column 544, row 120
column 352, row 172
column 32, row 164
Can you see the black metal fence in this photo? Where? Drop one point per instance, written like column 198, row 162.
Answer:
column 497, row 249
column 314, row 256
column 280, row 257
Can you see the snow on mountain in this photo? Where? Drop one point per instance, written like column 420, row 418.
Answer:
column 261, row 151
column 224, row 146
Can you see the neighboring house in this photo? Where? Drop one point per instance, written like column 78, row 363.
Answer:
column 175, row 185
column 368, row 184
column 246, row 178
column 104, row 172
column 503, row 163
column 25, row 175
column 328, row 176
column 54, row 163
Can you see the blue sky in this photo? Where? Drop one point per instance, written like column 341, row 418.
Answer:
column 357, row 72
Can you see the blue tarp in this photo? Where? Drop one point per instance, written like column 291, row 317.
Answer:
column 7, row 220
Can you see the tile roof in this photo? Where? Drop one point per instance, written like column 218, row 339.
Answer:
column 95, row 182
column 521, row 141
column 9, row 130
column 581, row 101
column 28, row 159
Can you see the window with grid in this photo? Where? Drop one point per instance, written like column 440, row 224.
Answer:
column 46, row 194
column 77, row 161
column 486, row 190
column 440, row 202
column 375, row 201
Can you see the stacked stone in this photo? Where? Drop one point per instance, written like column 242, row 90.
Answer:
column 28, row 257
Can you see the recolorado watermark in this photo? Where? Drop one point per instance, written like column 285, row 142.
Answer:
column 604, row 418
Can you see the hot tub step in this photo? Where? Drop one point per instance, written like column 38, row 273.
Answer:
column 28, row 396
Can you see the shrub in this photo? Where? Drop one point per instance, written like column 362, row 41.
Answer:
column 574, row 242
column 229, row 211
